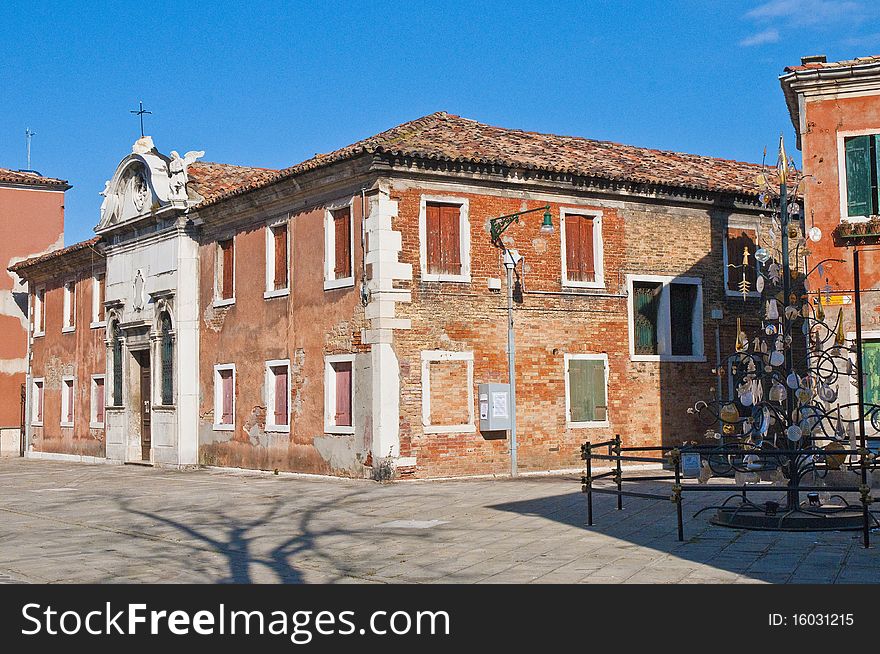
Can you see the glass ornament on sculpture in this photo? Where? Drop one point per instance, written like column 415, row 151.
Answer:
column 789, row 365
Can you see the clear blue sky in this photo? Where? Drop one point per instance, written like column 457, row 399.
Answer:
column 271, row 83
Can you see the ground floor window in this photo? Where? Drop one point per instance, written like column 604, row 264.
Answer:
column 586, row 389
column 339, row 394
column 98, row 400
column 37, row 402
column 447, row 391
column 67, row 401
column 277, row 395
column 224, row 396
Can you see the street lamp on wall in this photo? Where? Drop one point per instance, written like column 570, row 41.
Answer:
column 497, row 227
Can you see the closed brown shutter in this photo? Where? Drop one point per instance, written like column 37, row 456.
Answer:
column 102, row 281
column 579, row 256
column 228, row 265
column 280, row 236
column 280, row 395
column 342, row 238
column 432, row 237
column 572, row 248
column 343, row 394
column 228, row 392
column 99, row 400
column 450, row 249
column 588, row 266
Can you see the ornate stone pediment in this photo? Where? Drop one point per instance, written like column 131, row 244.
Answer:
column 145, row 183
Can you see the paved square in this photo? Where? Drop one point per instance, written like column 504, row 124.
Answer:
column 65, row 522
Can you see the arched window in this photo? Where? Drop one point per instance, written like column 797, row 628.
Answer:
column 167, row 358
column 116, row 344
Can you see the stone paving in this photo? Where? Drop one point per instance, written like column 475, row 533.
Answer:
column 68, row 523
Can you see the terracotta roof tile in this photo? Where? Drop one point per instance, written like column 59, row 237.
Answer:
column 448, row 137
column 29, row 178
column 825, row 65
column 213, row 180
column 55, row 254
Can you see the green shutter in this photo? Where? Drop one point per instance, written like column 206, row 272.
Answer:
column 871, row 371
column 858, row 175
column 586, row 390
column 875, row 180
column 645, row 301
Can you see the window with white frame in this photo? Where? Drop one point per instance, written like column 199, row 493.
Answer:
column 741, row 237
column 582, row 249
column 339, row 394
column 277, row 260
column 338, row 248
column 224, row 396
column 99, row 398
column 447, row 391
column 37, row 397
column 586, row 390
column 98, row 300
column 859, row 171
column 444, row 239
column 69, row 305
column 67, row 401
column 39, row 311
column 224, row 278
column 277, row 390
column 665, row 318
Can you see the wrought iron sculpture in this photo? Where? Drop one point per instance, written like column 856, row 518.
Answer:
column 787, row 416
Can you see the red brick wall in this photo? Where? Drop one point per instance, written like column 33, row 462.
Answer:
column 647, row 401
column 824, row 120
column 80, row 353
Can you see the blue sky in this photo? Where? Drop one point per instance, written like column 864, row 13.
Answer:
column 272, row 83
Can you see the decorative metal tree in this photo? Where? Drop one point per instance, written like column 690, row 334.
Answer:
column 787, row 416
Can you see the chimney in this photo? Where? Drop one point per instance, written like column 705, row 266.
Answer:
column 813, row 59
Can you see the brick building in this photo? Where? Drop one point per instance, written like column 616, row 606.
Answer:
column 36, row 202
column 835, row 109
column 339, row 313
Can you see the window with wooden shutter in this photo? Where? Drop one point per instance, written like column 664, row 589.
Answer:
column 646, row 301
column 98, row 399
column 279, row 243
column 281, row 391
column 587, row 396
column 69, row 304
column 167, row 359
column 342, row 379
column 227, row 395
column 38, row 401
column 580, row 263
column 226, row 272
column 116, row 345
column 341, row 243
column 862, row 163
column 738, row 240
column 682, row 298
column 40, row 310
column 98, row 298
column 67, row 402
column 443, row 238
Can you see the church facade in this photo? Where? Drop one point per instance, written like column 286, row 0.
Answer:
column 338, row 316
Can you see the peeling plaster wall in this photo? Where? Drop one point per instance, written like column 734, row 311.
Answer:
column 303, row 327
column 31, row 223
column 81, row 354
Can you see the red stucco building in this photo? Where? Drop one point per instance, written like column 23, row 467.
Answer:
column 31, row 222
column 338, row 316
column 835, row 108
